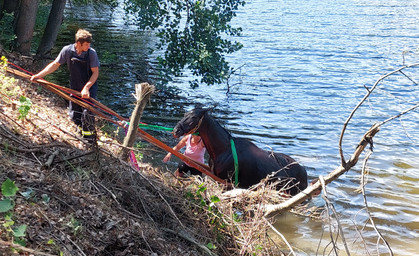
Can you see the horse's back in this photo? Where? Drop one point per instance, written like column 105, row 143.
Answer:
column 255, row 164
column 294, row 170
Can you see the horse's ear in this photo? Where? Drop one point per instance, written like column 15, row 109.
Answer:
column 209, row 109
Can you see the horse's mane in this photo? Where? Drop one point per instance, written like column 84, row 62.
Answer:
column 207, row 115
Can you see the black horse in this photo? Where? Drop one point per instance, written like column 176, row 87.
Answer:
column 254, row 164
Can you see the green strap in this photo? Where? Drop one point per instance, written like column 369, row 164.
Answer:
column 236, row 162
column 154, row 127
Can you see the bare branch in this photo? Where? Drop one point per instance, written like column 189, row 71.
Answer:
column 281, row 235
column 399, row 115
column 332, row 207
column 345, row 165
column 369, row 91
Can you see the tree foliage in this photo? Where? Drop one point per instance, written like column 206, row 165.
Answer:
column 193, row 34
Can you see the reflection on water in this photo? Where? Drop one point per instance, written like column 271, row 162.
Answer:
column 301, row 72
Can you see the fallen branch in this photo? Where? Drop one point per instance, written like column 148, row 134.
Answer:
column 272, row 210
column 51, row 158
column 345, row 166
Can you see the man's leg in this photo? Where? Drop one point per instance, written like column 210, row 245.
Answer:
column 75, row 113
column 88, row 126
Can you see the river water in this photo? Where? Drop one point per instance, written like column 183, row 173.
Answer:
column 303, row 68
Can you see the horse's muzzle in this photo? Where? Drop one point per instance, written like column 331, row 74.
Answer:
column 177, row 132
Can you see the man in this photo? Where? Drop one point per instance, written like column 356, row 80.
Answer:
column 83, row 63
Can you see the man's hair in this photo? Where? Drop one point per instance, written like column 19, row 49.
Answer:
column 83, row 36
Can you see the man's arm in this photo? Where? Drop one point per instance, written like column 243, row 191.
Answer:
column 95, row 74
column 47, row 70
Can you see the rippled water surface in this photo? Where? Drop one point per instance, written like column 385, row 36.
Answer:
column 303, row 68
column 305, row 65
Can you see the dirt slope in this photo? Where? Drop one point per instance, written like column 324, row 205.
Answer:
column 79, row 199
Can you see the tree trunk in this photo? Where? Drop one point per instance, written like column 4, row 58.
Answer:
column 25, row 25
column 55, row 19
column 143, row 92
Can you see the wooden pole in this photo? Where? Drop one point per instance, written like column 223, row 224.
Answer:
column 143, row 94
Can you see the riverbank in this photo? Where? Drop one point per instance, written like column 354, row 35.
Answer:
column 78, row 199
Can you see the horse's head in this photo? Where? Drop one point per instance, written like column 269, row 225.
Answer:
column 190, row 122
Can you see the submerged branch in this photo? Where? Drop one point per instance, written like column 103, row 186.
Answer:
column 363, row 183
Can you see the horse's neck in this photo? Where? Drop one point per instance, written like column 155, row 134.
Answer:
column 215, row 137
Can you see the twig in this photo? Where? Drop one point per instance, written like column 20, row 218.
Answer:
column 132, row 214
column 12, row 120
column 145, row 240
column 40, row 163
column 110, row 192
column 359, row 231
column 51, row 158
column 399, row 115
column 408, row 77
column 75, row 157
column 19, row 247
column 332, row 207
column 366, row 205
column 76, row 245
column 21, row 150
column 279, row 234
column 320, row 240
column 326, row 199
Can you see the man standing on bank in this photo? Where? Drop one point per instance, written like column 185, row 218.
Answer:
column 83, row 63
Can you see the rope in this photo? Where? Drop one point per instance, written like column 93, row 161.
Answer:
column 59, row 90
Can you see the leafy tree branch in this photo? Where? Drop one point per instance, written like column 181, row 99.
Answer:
column 192, row 34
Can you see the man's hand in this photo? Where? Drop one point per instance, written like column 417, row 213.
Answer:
column 85, row 93
column 35, row 77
